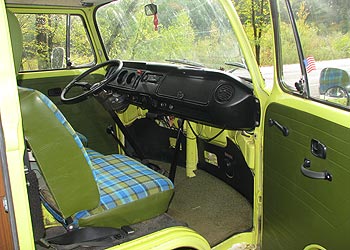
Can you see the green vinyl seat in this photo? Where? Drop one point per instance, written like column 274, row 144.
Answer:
column 86, row 188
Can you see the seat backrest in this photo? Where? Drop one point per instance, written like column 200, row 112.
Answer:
column 61, row 157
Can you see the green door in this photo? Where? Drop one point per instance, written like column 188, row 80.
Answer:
column 299, row 210
column 306, row 183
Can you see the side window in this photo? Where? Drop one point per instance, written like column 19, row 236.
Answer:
column 291, row 71
column 54, row 41
column 326, row 41
column 324, row 31
column 81, row 52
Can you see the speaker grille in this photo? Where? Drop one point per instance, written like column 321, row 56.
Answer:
column 224, row 93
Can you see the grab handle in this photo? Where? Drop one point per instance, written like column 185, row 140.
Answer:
column 323, row 175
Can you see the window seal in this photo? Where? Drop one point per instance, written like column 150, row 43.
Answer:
column 278, row 50
column 68, row 29
column 98, row 31
column 305, row 92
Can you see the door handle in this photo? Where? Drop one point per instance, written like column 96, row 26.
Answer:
column 324, row 175
column 318, row 149
column 284, row 129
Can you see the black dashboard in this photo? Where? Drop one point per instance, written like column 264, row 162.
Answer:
column 211, row 97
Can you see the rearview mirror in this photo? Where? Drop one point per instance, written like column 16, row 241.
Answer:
column 151, row 9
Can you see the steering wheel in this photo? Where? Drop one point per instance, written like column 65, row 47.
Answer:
column 90, row 89
column 337, row 94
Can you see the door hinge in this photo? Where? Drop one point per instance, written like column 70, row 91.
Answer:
column 5, row 204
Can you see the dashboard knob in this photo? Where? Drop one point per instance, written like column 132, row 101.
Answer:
column 180, row 94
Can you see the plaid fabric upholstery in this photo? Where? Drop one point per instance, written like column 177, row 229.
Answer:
column 93, row 154
column 122, row 180
column 332, row 77
column 63, row 121
column 83, row 139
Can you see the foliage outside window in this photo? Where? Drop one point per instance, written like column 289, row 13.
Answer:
column 45, row 42
column 193, row 31
column 255, row 18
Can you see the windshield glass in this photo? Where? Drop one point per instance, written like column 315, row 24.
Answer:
column 188, row 32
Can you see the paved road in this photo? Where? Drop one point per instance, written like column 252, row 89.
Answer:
column 292, row 73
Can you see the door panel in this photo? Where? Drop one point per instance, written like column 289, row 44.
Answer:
column 87, row 117
column 300, row 211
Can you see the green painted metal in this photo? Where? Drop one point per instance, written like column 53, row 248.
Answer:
column 13, row 137
column 299, row 210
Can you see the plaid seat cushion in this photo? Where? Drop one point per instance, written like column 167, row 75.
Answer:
column 93, row 154
column 122, row 180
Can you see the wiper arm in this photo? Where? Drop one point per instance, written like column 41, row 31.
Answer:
column 186, row 62
column 237, row 65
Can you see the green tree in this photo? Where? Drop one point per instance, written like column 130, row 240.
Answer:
column 41, row 33
column 192, row 30
column 255, row 18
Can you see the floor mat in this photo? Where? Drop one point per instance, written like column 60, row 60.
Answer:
column 209, row 206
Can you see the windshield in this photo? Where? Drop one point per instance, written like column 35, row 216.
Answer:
column 188, row 32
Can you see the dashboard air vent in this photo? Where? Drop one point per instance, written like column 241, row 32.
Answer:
column 224, row 93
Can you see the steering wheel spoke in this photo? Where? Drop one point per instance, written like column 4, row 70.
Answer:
column 90, row 89
column 84, row 85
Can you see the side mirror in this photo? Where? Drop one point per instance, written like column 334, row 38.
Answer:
column 333, row 77
column 337, row 95
column 151, row 9
column 57, row 58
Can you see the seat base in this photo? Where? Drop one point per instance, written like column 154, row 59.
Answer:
column 130, row 192
column 130, row 213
